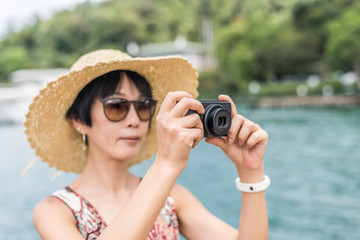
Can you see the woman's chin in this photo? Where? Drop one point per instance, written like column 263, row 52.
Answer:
column 127, row 156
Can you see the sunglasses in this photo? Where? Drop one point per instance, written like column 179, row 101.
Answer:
column 116, row 109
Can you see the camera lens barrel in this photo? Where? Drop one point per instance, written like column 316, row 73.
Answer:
column 216, row 121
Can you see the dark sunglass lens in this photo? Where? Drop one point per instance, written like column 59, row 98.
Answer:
column 116, row 109
column 145, row 109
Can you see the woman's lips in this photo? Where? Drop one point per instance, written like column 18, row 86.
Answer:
column 131, row 139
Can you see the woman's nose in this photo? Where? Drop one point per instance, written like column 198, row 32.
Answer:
column 132, row 118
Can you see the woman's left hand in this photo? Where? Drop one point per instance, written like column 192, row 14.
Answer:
column 245, row 145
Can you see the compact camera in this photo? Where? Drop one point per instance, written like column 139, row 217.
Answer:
column 216, row 118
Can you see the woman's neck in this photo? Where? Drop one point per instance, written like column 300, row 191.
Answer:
column 105, row 176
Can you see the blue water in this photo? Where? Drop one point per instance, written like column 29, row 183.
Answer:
column 313, row 160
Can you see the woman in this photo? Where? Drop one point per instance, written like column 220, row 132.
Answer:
column 101, row 118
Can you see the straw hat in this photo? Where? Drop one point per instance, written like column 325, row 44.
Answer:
column 53, row 136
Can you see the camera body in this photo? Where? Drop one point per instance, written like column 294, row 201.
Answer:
column 216, row 119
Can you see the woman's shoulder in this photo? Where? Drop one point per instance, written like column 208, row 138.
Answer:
column 51, row 207
column 51, row 211
column 54, row 202
column 52, row 217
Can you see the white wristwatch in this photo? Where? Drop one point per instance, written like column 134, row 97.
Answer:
column 253, row 187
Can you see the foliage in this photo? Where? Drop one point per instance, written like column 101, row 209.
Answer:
column 263, row 46
column 343, row 46
column 290, row 88
column 11, row 59
column 257, row 40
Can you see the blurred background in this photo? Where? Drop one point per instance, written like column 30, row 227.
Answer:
column 292, row 66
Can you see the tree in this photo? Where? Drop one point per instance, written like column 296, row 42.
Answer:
column 343, row 46
column 11, row 59
column 263, row 45
column 311, row 18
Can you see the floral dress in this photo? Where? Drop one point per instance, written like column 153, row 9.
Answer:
column 91, row 225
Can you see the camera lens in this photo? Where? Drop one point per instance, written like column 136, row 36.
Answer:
column 217, row 121
column 221, row 121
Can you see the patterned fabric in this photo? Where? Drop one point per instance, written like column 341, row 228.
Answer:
column 91, row 225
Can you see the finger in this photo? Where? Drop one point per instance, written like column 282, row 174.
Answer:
column 171, row 99
column 245, row 131
column 236, row 124
column 257, row 138
column 193, row 137
column 199, row 125
column 228, row 99
column 191, row 121
column 198, row 138
column 219, row 142
column 185, row 104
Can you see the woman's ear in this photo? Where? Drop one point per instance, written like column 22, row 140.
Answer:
column 79, row 126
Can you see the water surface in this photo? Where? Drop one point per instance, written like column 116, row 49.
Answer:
column 313, row 160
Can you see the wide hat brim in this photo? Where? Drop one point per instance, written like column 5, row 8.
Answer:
column 53, row 136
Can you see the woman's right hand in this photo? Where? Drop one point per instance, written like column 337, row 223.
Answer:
column 176, row 133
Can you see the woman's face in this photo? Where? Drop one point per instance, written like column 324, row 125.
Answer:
column 117, row 140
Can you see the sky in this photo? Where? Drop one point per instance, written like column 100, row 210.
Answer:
column 17, row 13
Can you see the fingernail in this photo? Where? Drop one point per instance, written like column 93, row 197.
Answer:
column 230, row 140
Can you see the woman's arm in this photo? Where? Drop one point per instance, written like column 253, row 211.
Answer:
column 245, row 145
column 138, row 216
column 197, row 223
column 253, row 218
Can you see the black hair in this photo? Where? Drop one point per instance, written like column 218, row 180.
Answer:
column 101, row 87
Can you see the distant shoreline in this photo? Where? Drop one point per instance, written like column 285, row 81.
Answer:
column 308, row 101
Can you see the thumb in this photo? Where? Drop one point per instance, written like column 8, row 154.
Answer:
column 217, row 141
